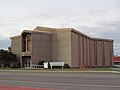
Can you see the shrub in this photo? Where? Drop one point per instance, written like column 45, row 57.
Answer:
column 66, row 66
column 41, row 62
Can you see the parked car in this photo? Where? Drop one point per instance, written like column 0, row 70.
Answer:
column 116, row 65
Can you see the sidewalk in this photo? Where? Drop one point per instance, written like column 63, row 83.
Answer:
column 19, row 88
column 77, row 71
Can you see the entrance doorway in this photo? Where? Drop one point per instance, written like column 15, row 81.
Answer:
column 26, row 61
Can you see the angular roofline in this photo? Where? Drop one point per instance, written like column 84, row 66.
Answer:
column 45, row 28
column 94, row 38
column 74, row 30
column 26, row 31
column 35, row 31
column 15, row 36
column 39, row 28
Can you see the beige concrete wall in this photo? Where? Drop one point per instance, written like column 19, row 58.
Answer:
column 54, row 46
column 80, row 50
column 80, row 57
column 16, row 46
column 62, row 46
column 107, row 53
column 99, row 53
column 41, row 47
column 74, row 45
column 90, row 52
column 85, row 50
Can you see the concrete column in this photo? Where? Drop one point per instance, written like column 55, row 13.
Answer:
column 83, row 51
column 90, row 53
column 103, row 57
column 26, row 44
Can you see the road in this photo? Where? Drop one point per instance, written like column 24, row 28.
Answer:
column 62, row 80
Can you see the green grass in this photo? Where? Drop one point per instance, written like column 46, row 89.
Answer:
column 10, row 69
column 65, row 69
column 102, row 69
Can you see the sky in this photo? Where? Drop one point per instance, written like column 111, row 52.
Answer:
column 96, row 18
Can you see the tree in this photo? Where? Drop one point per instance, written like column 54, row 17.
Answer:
column 6, row 58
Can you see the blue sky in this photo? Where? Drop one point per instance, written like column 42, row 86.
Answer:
column 97, row 18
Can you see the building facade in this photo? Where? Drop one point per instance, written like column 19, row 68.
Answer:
column 116, row 60
column 61, row 45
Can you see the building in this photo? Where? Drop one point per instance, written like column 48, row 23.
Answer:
column 62, row 44
column 116, row 60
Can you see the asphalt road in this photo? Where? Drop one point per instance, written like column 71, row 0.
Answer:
column 62, row 80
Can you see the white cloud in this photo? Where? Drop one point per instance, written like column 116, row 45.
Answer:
column 96, row 18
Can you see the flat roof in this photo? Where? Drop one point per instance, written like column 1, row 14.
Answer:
column 18, row 36
column 39, row 29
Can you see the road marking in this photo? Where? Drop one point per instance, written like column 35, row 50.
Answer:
column 65, row 84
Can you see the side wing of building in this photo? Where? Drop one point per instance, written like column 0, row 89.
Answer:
column 90, row 52
column 16, row 46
